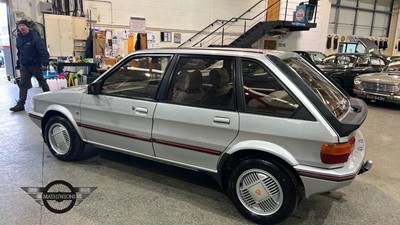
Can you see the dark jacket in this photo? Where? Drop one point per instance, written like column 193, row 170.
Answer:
column 31, row 50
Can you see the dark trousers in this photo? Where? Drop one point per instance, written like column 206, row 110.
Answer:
column 25, row 81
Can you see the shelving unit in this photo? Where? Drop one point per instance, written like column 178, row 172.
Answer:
column 65, row 35
column 79, row 48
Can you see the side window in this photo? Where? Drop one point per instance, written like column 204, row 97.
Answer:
column 329, row 60
column 394, row 66
column 203, row 81
column 138, row 78
column 346, row 60
column 263, row 93
column 362, row 61
column 317, row 57
column 377, row 62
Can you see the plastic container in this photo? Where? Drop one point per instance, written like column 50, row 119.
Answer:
column 62, row 83
column 61, row 76
column 53, row 84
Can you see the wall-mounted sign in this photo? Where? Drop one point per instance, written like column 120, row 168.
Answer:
column 137, row 24
column 177, row 38
column 282, row 45
column 300, row 15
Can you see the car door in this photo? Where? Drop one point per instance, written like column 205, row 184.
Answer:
column 197, row 120
column 121, row 116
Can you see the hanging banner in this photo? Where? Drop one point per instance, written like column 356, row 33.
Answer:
column 137, row 24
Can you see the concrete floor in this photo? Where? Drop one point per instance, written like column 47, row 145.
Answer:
column 136, row 191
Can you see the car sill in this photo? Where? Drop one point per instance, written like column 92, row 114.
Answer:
column 167, row 161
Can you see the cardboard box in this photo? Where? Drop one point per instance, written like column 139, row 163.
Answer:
column 109, row 61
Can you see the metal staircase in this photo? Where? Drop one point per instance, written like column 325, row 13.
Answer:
column 235, row 33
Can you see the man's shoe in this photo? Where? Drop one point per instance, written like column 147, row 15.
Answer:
column 18, row 107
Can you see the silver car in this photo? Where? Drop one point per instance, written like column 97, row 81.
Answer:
column 383, row 86
column 265, row 124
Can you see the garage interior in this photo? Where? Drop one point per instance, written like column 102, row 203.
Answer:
column 131, row 190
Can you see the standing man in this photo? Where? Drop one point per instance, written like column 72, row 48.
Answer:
column 33, row 58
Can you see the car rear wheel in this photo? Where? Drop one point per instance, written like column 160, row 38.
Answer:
column 62, row 139
column 262, row 191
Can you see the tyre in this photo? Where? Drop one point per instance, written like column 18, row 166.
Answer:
column 62, row 139
column 262, row 191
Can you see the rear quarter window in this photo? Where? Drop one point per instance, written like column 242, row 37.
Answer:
column 330, row 96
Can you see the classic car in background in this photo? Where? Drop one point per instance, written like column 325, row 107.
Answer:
column 393, row 58
column 384, row 86
column 344, row 67
column 315, row 57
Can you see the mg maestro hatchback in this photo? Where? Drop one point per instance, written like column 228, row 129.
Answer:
column 265, row 124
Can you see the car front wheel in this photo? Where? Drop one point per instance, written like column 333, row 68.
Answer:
column 262, row 191
column 62, row 139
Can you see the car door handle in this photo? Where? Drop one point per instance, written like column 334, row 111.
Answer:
column 140, row 110
column 222, row 120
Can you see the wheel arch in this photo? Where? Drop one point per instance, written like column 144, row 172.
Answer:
column 279, row 156
column 56, row 110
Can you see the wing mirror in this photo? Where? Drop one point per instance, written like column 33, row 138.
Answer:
column 94, row 88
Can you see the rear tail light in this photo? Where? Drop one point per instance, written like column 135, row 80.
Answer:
column 337, row 153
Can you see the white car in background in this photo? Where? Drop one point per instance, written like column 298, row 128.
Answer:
column 265, row 124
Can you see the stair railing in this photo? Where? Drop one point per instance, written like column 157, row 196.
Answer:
column 235, row 29
column 201, row 31
column 219, row 34
column 224, row 22
column 230, row 22
column 221, row 38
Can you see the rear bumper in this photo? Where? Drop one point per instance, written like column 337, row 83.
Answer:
column 320, row 180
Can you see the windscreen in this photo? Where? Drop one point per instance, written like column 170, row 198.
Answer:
column 394, row 68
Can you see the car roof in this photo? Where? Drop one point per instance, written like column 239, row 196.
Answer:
column 356, row 54
column 308, row 52
column 219, row 51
